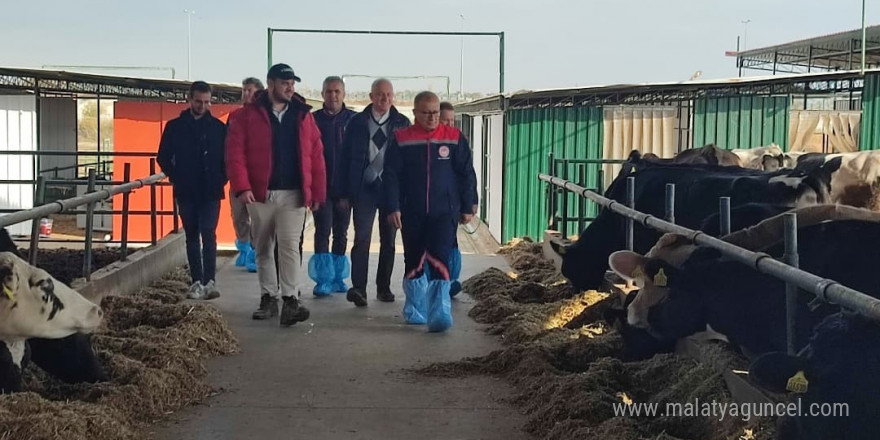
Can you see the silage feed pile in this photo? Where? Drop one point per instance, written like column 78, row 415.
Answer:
column 153, row 346
column 564, row 362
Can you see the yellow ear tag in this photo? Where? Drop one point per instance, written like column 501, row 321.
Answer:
column 9, row 293
column 660, row 279
column 797, row 383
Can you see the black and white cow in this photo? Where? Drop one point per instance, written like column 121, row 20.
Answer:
column 707, row 155
column 44, row 321
column 767, row 158
column 855, row 182
column 685, row 288
column 698, row 188
column 840, row 366
column 742, row 216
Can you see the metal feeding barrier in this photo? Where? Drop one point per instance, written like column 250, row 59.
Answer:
column 89, row 200
column 824, row 289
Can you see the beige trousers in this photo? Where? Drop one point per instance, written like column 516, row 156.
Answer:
column 240, row 218
column 280, row 219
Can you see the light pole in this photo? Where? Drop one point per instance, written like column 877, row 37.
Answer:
column 189, row 13
column 745, row 33
column 461, row 63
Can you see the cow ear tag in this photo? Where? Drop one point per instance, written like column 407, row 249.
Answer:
column 797, row 383
column 8, row 292
column 660, row 279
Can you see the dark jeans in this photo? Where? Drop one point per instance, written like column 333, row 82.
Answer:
column 200, row 221
column 331, row 217
column 364, row 210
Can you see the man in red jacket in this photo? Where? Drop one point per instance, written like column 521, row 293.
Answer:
column 275, row 163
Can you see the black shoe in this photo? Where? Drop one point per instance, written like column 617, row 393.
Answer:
column 268, row 307
column 385, row 295
column 357, row 296
column 454, row 289
column 292, row 311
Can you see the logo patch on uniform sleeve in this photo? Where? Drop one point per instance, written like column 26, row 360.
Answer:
column 443, row 151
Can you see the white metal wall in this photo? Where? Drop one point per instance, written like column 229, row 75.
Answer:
column 58, row 133
column 477, row 145
column 18, row 131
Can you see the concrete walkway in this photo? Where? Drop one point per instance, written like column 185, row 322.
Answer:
column 337, row 376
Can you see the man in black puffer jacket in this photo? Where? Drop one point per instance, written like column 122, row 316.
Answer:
column 191, row 154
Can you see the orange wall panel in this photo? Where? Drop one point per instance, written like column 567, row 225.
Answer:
column 138, row 128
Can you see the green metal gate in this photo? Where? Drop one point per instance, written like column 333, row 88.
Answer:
column 742, row 121
column 571, row 133
column 870, row 132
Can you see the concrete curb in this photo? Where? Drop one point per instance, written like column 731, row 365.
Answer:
column 139, row 270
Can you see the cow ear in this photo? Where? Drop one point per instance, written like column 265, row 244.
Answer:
column 780, row 373
column 626, row 264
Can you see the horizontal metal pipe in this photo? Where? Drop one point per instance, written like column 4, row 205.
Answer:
column 99, row 212
column 66, row 204
column 78, row 153
column 334, row 31
column 826, row 289
column 75, row 182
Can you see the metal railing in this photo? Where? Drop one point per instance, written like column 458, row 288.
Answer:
column 557, row 199
column 89, row 200
column 826, row 290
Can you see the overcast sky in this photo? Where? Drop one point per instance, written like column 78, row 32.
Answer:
column 550, row 43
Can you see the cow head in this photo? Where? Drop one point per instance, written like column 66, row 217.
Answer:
column 770, row 162
column 838, row 366
column 33, row 304
column 651, row 273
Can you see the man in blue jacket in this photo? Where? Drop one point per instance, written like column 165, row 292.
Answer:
column 429, row 188
column 329, row 270
column 191, row 154
column 364, row 149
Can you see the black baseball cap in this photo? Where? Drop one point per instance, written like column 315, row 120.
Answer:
column 282, row 71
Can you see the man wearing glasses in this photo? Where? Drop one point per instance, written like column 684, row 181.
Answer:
column 429, row 188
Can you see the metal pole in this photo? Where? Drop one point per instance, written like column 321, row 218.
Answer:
column 39, row 195
column 98, row 135
column 670, row 203
column 461, row 62
column 852, row 48
column 791, row 291
column 126, row 176
column 268, row 48
column 174, row 209
column 631, row 203
column 746, row 33
column 189, row 15
column 739, row 58
column 863, row 38
column 501, row 63
column 564, row 228
column 582, row 202
column 600, row 186
column 90, row 218
column 551, row 192
column 725, row 215
column 153, row 204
